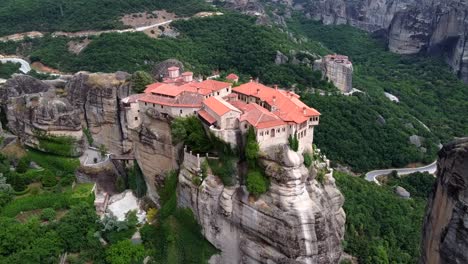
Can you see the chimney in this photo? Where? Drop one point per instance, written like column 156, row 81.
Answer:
column 274, row 98
column 188, row 76
column 304, row 109
column 276, row 87
column 251, row 79
column 258, row 90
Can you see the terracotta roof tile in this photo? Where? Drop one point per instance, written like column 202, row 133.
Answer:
column 286, row 105
column 232, row 76
column 207, row 117
column 216, row 106
column 259, row 117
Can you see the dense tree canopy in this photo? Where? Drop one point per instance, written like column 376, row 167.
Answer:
column 380, row 226
column 73, row 15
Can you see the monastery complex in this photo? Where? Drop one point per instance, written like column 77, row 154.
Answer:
column 273, row 113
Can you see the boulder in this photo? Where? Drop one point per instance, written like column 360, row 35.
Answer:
column 402, row 192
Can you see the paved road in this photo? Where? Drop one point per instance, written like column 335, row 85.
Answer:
column 372, row 175
column 25, row 67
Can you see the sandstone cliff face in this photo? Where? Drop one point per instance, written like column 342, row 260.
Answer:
column 411, row 26
column 152, row 147
column 445, row 232
column 97, row 97
column 32, row 108
column 297, row 221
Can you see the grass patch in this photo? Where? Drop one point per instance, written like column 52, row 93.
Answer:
column 83, row 190
column 57, row 164
column 225, row 169
column 40, row 201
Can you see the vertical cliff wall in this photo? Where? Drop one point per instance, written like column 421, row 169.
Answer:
column 445, row 231
column 437, row 27
column 297, row 221
column 97, row 96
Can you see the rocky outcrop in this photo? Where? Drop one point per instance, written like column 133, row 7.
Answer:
column 97, row 98
column 160, row 70
column 445, row 231
column 154, row 151
column 430, row 26
column 438, row 27
column 299, row 220
column 35, row 113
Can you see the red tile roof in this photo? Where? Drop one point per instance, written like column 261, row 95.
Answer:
column 232, row 76
column 285, row 104
column 207, row 117
column 187, row 100
column 173, row 90
column 259, row 117
column 216, row 106
column 164, row 89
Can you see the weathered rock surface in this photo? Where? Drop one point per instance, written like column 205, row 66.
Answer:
column 445, row 231
column 97, row 97
column 402, row 192
column 33, row 108
column 297, row 221
column 411, row 26
column 154, row 152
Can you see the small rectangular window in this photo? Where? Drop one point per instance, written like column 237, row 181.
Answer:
column 180, row 111
column 146, row 103
column 136, row 118
column 162, row 106
column 154, row 105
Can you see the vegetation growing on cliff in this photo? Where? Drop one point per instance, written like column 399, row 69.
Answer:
column 73, row 15
column 139, row 81
column 176, row 238
column 427, row 90
column 380, row 226
column 57, row 145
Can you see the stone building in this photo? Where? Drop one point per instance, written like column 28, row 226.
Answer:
column 274, row 114
column 338, row 69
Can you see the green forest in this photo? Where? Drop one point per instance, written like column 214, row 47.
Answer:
column 380, row 226
column 349, row 132
column 73, row 15
column 8, row 68
column 365, row 131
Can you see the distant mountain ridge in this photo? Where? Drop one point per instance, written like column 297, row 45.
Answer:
column 428, row 26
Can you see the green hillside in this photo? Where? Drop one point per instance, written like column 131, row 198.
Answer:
column 73, row 15
column 366, row 131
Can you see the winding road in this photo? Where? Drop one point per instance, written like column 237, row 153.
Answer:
column 372, row 175
column 25, row 67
